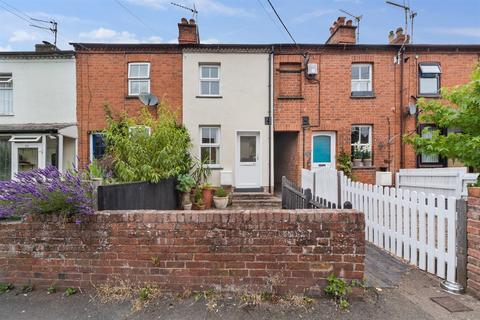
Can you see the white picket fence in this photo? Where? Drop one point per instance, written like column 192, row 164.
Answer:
column 417, row 227
column 450, row 181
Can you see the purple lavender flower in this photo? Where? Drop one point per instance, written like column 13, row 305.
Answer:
column 46, row 191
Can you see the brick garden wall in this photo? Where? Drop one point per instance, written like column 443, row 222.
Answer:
column 228, row 250
column 473, row 244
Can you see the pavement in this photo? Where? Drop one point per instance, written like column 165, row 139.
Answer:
column 402, row 293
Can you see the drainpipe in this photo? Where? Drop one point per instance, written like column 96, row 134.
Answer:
column 402, row 153
column 270, row 117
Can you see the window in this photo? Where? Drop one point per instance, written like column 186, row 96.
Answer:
column 290, row 84
column 209, row 80
column 5, row 158
column 429, row 83
column 361, row 79
column 362, row 138
column 97, row 146
column 210, row 145
column 138, row 78
column 429, row 159
column 6, row 94
column 144, row 130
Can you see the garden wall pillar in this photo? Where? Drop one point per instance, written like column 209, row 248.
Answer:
column 473, row 242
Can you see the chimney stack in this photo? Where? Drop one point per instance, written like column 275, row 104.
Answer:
column 187, row 32
column 398, row 37
column 342, row 32
column 45, row 47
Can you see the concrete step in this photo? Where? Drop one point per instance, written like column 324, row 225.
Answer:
column 255, row 200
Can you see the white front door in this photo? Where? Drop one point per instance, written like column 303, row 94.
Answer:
column 323, row 149
column 27, row 156
column 248, row 169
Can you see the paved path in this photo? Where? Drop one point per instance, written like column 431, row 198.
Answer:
column 383, row 270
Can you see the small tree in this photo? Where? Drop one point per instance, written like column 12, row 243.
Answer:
column 462, row 113
column 142, row 154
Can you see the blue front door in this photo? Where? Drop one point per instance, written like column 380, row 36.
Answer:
column 323, row 149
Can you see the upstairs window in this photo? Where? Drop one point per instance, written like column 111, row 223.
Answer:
column 209, row 80
column 6, row 94
column 290, row 84
column 429, row 83
column 361, row 79
column 138, row 78
column 210, row 145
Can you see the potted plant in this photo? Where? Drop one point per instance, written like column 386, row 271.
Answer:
column 220, row 198
column 198, row 203
column 357, row 156
column 185, row 184
column 367, row 158
column 207, row 193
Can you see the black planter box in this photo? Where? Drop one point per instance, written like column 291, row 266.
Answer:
column 138, row 195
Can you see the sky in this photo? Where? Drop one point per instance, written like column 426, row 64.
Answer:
column 230, row 21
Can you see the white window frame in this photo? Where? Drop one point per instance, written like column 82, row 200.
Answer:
column 23, row 139
column 435, row 73
column 132, row 128
column 369, row 80
column 9, row 79
column 210, row 145
column 209, row 79
column 370, row 134
column 90, row 140
column 132, row 79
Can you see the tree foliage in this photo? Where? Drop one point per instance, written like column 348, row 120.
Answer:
column 461, row 112
column 140, row 155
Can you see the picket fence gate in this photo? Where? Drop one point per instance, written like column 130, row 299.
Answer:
column 423, row 229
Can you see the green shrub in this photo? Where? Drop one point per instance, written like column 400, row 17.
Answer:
column 339, row 290
column 220, row 192
column 185, row 182
column 147, row 155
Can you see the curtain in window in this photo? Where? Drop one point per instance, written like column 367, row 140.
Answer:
column 6, row 98
column 5, row 158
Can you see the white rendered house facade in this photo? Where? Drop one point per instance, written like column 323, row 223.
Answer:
column 37, row 111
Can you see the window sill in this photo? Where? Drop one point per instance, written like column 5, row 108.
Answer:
column 433, row 96
column 130, row 97
column 290, row 97
column 215, row 167
column 433, row 165
column 209, row 97
column 364, row 168
column 369, row 95
column 6, row 114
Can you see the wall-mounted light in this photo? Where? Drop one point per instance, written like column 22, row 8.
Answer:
column 412, row 109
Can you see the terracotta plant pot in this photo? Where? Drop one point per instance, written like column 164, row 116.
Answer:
column 198, row 206
column 186, row 199
column 357, row 163
column 474, row 192
column 220, row 202
column 207, row 194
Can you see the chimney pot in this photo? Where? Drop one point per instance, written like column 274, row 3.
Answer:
column 184, row 21
column 192, row 21
column 342, row 33
column 399, row 31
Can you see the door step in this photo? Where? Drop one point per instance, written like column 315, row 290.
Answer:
column 255, row 200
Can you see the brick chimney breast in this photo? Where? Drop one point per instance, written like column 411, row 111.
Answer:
column 342, row 32
column 187, row 32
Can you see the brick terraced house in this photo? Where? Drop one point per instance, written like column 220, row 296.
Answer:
column 326, row 98
column 343, row 96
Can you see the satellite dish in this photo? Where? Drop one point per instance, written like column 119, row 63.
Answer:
column 148, row 99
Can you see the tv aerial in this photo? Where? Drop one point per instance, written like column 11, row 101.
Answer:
column 409, row 14
column 357, row 20
column 192, row 10
column 53, row 28
column 148, row 99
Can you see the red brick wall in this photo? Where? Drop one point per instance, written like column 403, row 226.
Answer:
column 223, row 249
column 102, row 78
column 330, row 107
column 473, row 245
